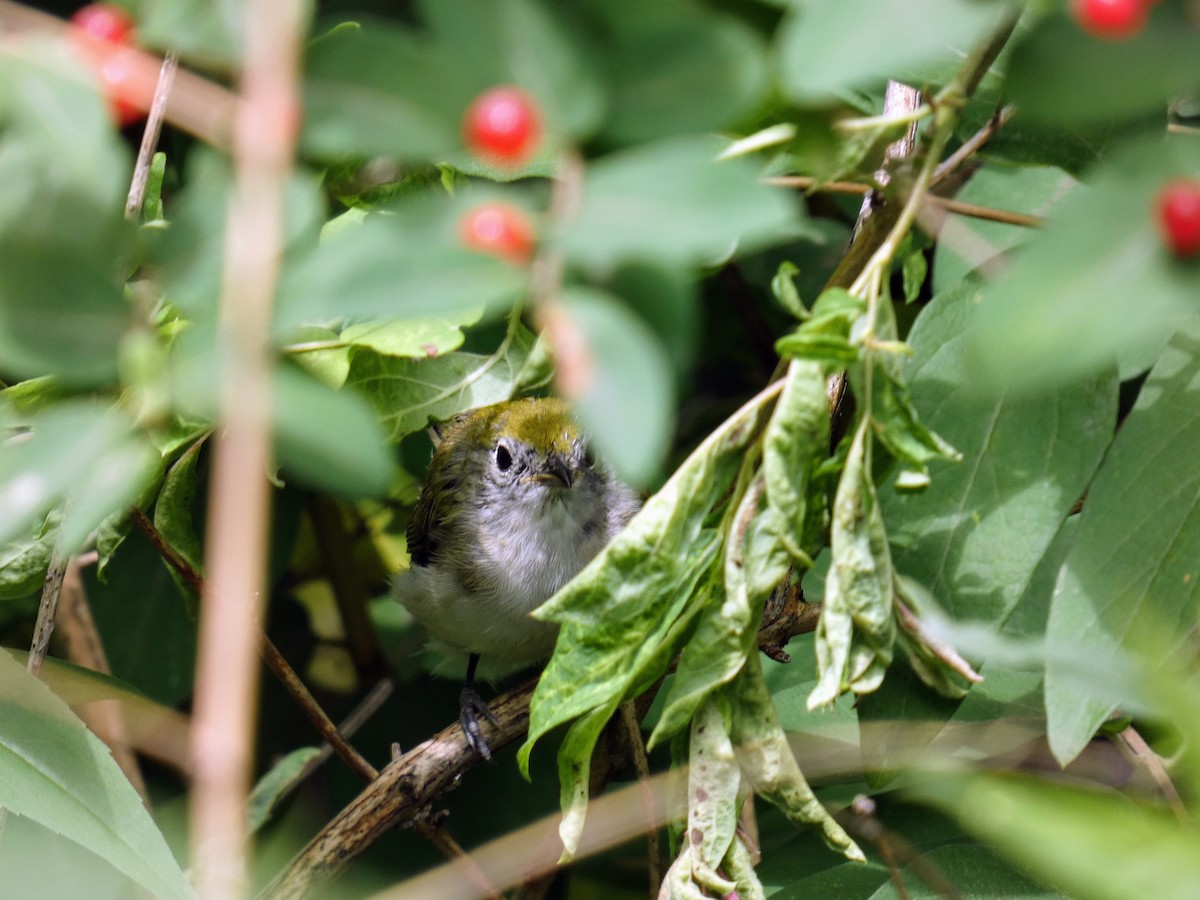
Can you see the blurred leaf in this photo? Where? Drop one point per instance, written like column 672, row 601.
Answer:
column 665, row 297
column 671, row 202
column 1073, row 836
column 536, row 45
column 380, row 89
column 621, row 383
column 827, row 46
column 78, row 451
column 59, row 774
column 406, row 394
column 203, row 31
column 1035, row 190
column 1098, row 286
column 275, row 784
column 659, row 57
column 1063, row 75
column 1132, row 566
column 191, row 252
column 60, row 313
column 327, row 438
column 407, row 264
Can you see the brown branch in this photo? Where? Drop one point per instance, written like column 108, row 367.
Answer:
column 406, row 788
column 1133, row 741
column 275, row 660
column 401, row 794
column 973, row 144
column 78, row 631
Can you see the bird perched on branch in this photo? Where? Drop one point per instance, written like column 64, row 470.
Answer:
column 514, row 505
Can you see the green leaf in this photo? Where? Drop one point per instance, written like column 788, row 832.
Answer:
column 627, row 613
column 24, row 561
column 329, row 439
column 672, row 202
column 1067, row 834
column 149, row 635
column 826, row 47
column 413, row 338
column 59, row 774
column 1063, row 75
column 824, row 336
column 173, row 519
column 1087, row 293
column 408, row 264
column 857, row 629
column 620, row 382
column 796, row 442
column 659, row 57
column 74, row 451
column 1132, row 566
column 382, row 90
column 974, row 536
column 61, row 313
column 1034, row 190
column 406, row 394
column 754, row 563
column 767, row 762
column 275, row 784
column 200, row 30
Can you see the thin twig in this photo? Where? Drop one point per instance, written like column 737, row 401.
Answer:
column 1144, row 753
column 949, row 204
column 275, row 660
column 974, row 143
column 265, row 126
column 47, row 607
column 641, row 765
column 150, row 135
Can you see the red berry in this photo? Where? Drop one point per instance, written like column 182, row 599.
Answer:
column 1178, row 207
column 105, row 22
column 1110, row 20
column 497, row 229
column 103, row 35
column 502, row 125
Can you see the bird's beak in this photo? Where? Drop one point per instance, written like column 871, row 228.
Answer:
column 555, row 469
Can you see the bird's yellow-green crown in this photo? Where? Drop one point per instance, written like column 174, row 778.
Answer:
column 543, row 423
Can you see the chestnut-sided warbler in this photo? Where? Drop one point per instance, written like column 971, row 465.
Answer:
column 514, row 505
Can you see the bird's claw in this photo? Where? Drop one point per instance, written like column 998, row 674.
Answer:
column 471, row 709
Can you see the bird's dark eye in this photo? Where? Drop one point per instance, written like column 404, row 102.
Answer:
column 589, row 458
column 504, row 458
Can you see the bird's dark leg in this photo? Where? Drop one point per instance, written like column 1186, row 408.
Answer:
column 471, row 707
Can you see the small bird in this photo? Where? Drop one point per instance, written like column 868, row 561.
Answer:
column 514, row 505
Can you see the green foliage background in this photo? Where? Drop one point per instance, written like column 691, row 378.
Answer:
column 1015, row 479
